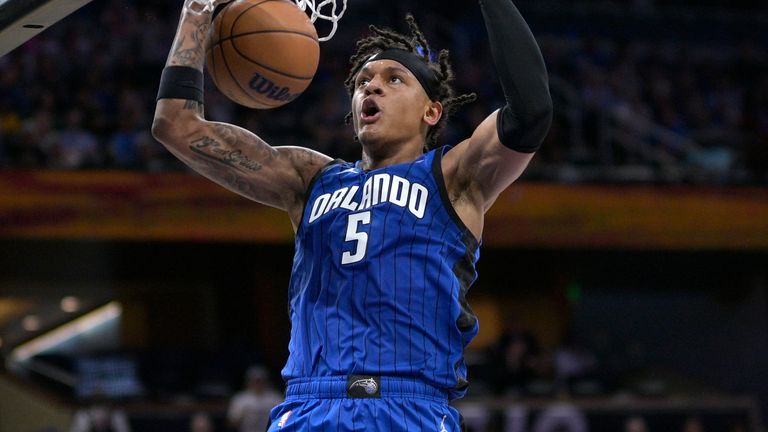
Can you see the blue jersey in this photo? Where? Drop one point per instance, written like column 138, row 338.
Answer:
column 380, row 274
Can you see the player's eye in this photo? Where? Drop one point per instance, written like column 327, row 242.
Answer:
column 395, row 80
column 362, row 81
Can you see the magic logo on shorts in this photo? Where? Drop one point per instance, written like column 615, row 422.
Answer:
column 368, row 384
column 363, row 386
column 380, row 188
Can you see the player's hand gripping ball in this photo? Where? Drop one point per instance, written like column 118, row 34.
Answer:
column 262, row 53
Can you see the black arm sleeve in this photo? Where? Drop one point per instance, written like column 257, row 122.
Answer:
column 524, row 122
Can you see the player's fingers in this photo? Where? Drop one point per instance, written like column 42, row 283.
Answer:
column 199, row 6
column 218, row 5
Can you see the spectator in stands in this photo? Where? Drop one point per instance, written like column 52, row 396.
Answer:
column 572, row 362
column 617, row 94
column 561, row 417
column 100, row 416
column 693, row 424
column 515, row 361
column 36, row 141
column 635, row 424
column 249, row 410
column 76, row 147
column 201, row 422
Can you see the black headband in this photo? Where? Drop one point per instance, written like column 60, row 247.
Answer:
column 416, row 65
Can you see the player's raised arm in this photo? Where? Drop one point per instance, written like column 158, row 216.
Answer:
column 503, row 144
column 229, row 155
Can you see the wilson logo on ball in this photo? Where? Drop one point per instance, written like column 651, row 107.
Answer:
column 265, row 87
column 262, row 53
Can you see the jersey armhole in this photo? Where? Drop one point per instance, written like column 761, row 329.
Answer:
column 437, row 173
column 312, row 182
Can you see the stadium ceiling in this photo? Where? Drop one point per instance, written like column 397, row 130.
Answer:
column 20, row 20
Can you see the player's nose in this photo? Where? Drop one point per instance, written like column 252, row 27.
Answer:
column 373, row 86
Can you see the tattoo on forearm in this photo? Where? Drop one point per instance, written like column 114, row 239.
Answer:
column 238, row 138
column 232, row 179
column 300, row 158
column 190, row 51
column 183, row 56
column 210, row 148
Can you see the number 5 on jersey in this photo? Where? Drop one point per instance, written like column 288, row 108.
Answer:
column 354, row 233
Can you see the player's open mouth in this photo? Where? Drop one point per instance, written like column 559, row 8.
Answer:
column 370, row 111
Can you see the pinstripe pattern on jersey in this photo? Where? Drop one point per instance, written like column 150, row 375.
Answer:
column 398, row 310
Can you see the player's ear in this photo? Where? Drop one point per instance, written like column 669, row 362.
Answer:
column 433, row 113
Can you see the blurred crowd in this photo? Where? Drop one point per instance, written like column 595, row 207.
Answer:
column 247, row 411
column 81, row 94
column 541, row 388
column 664, row 104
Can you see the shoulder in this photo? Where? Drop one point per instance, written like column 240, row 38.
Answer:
column 330, row 170
column 306, row 162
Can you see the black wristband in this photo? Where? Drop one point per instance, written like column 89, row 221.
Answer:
column 181, row 82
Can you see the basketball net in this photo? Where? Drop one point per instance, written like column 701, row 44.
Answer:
column 317, row 12
column 207, row 6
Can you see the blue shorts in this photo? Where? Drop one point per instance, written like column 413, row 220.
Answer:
column 341, row 404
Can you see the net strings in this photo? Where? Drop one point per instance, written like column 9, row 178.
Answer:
column 317, row 12
column 207, row 6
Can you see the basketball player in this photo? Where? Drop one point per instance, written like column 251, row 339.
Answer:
column 385, row 247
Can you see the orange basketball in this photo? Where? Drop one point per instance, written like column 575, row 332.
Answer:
column 262, row 53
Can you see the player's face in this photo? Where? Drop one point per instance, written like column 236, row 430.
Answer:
column 389, row 104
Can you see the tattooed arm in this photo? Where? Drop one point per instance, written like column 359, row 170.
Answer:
column 229, row 155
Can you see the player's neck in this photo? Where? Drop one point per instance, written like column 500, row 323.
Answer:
column 380, row 156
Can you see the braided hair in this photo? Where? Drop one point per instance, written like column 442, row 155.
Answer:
column 384, row 39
